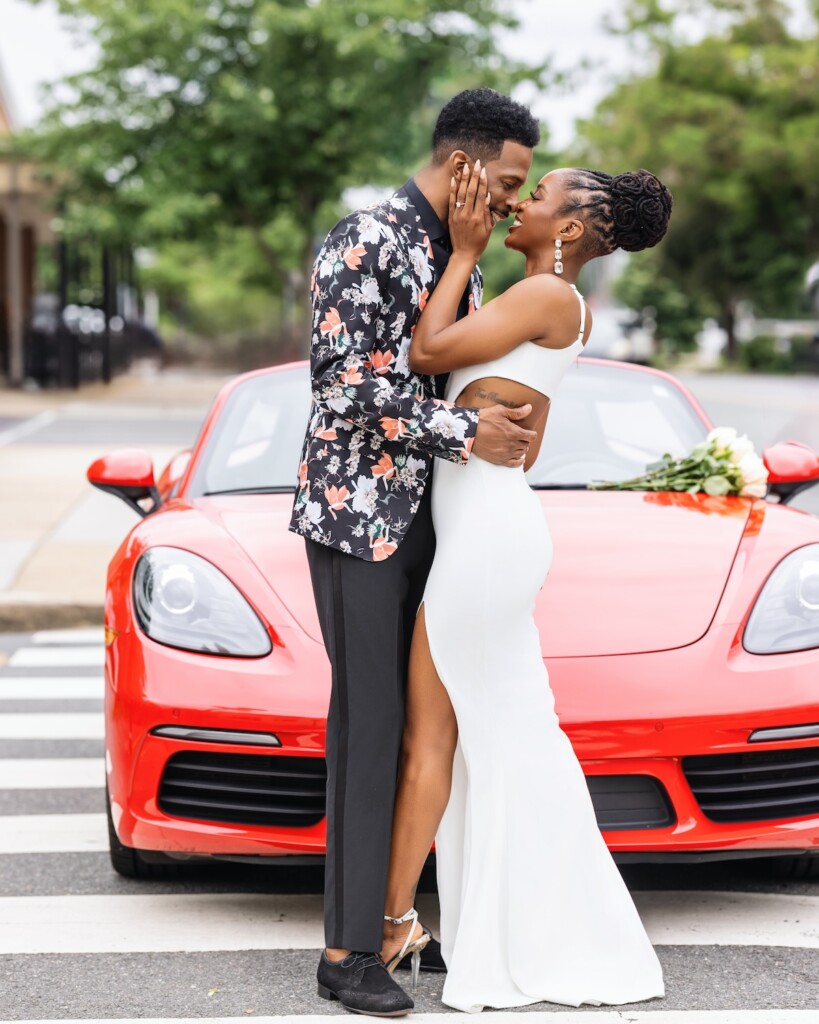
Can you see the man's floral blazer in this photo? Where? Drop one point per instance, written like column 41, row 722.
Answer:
column 374, row 424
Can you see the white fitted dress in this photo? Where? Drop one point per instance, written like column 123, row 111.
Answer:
column 533, row 907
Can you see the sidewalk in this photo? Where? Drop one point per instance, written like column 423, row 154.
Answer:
column 57, row 532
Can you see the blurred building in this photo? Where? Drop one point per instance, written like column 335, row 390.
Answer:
column 24, row 223
column 85, row 324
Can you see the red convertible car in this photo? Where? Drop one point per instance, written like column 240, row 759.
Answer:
column 681, row 634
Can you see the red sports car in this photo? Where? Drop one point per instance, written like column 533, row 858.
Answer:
column 681, row 634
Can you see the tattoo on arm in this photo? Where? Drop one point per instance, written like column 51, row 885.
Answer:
column 493, row 396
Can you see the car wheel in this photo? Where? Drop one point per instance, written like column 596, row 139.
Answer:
column 125, row 860
column 804, row 866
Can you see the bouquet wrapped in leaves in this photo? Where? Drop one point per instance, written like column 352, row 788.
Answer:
column 724, row 463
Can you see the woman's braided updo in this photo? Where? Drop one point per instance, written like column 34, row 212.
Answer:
column 623, row 211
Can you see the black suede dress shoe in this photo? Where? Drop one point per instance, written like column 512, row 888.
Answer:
column 431, row 959
column 361, row 983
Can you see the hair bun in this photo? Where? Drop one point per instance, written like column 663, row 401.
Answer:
column 641, row 207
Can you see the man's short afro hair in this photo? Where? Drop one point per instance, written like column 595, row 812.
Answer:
column 479, row 121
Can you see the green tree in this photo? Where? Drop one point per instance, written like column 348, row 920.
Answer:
column 253, row 114
column 731, row 123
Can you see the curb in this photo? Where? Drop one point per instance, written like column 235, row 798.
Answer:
column 27, row 617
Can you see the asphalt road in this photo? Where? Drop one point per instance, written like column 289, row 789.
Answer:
column 739, row 944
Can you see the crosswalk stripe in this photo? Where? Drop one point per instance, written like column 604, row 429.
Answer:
column 28, row 426
column 53, row 833
column 52, row 773
column 502, row 1017
column 236, row 921
column 57, row 657
column 51, row 687
column 62, row 726
column 92, row 635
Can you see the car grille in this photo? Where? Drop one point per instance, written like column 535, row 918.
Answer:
column 248, row 789
column 756, row 786
column 260, row 789
column 629, row 802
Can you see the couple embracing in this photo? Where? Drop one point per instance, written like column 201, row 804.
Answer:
column 427, row 550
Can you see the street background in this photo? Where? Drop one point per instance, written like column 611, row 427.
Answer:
column 160, row 209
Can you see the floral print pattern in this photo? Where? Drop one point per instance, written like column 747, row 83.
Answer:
column 374, row 425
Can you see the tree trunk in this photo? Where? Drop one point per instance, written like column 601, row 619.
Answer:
column 729, row 326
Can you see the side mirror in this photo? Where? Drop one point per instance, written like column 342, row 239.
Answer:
column 129, row 474
column 173, row 473
column 792, row 467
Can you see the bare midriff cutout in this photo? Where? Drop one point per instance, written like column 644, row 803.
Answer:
column 487, row 391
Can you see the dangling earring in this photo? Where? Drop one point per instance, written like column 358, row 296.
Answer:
column 558, row 256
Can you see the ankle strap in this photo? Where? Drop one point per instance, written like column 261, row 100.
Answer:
column 411, row 915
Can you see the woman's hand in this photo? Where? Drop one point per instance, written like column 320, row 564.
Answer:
column 470, row 218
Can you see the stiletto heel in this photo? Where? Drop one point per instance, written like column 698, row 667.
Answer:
column 416, row 968
column 410, row 947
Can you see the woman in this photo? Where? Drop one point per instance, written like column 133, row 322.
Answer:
column 532, row 906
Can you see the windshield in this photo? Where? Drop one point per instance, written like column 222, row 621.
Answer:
column 609, row 423
column 606, row 423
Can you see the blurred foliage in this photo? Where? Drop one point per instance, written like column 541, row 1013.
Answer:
column 731, row 124
column 767, row 354
column 679, row 315
column 254, row 115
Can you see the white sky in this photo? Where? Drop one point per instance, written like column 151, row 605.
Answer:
column 34, row 47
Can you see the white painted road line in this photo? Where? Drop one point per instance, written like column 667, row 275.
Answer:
column 29, row 426
column 502, row 1017
column 35, row 726
column 168, row 923
column 92, row 635
column 52, row 773
column 51, row 687
column 236, row 921
column 53, row 833
column 730, row 919
column 69, row 656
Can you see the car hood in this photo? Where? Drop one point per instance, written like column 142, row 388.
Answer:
column 259, row 524
column 632, row 572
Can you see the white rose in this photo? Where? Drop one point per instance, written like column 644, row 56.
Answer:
column 722, row 437
column 754, row 491
column 753, row 476
column 739, row 448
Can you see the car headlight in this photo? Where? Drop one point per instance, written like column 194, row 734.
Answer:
column 182, row 600
column 786, row 614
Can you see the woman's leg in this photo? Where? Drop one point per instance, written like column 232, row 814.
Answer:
column 424, row 783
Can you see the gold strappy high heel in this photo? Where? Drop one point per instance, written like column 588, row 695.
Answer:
column 409, row 947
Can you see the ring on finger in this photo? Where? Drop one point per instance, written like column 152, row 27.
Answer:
column 460, row 204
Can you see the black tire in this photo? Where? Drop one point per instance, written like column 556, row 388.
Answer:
column 801, row 867
column 125, row 860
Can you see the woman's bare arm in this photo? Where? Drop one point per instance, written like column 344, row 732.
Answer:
column 535, row 307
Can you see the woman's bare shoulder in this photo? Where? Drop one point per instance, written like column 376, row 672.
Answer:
column 551, row 306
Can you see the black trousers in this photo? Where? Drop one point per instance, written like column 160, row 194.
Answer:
column 367, row 613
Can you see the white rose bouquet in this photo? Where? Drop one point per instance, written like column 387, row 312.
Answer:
column 724, row 463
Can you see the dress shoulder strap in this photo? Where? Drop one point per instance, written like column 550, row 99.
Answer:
column 582, row 315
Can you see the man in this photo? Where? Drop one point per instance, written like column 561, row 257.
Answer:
column 363, row 502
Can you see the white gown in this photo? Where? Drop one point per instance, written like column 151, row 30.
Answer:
column 533, row 907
